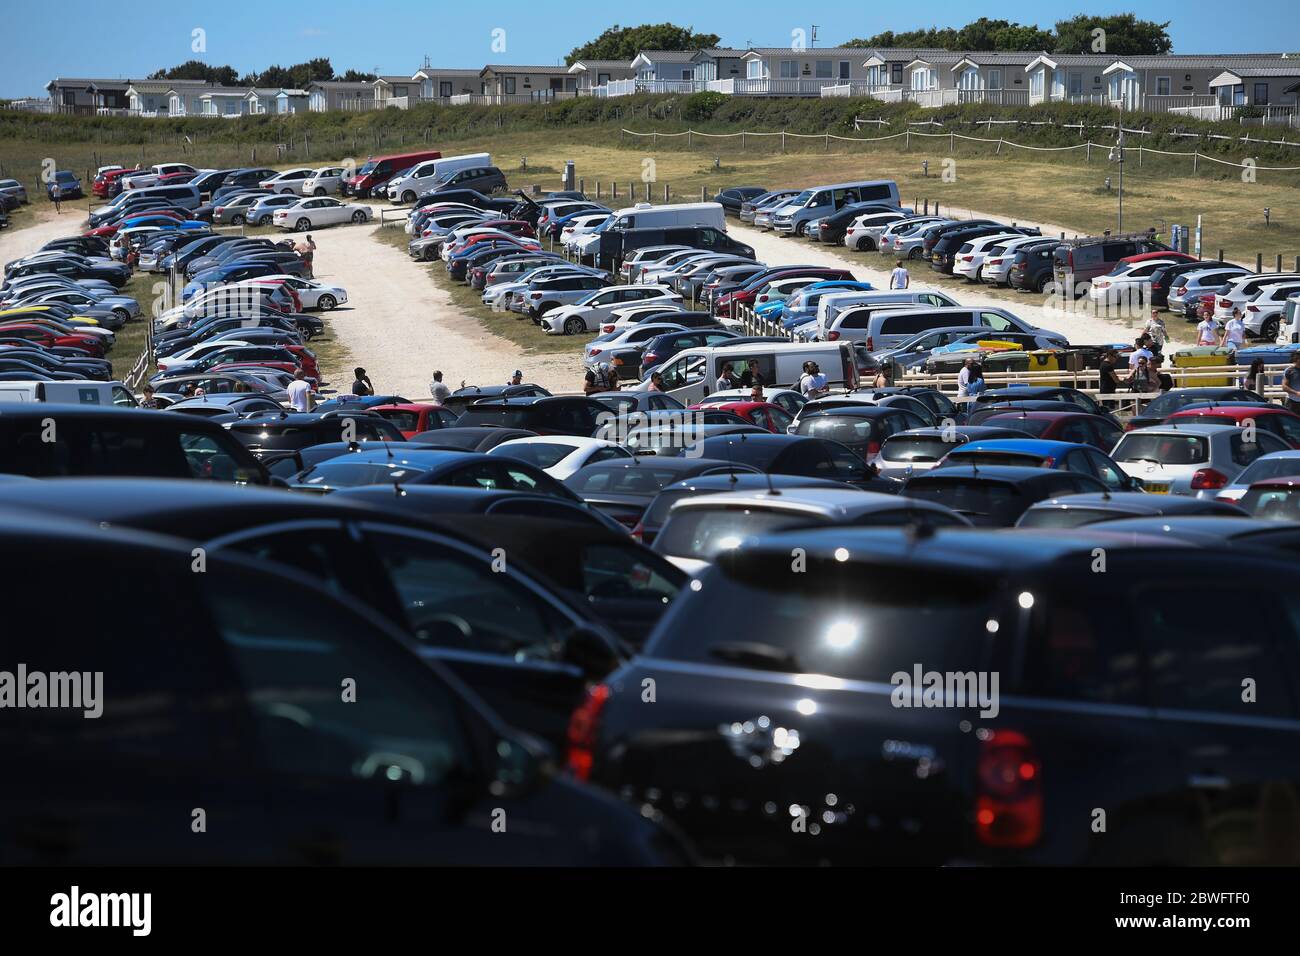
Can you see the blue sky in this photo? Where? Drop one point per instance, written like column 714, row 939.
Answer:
column 82, row 39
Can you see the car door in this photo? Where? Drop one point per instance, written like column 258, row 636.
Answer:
column 1221, row 652
column 1105, row 470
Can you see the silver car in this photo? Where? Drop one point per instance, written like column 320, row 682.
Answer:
column 1277, row 464
column 1196, row 460
column 234, row 210
column 12, row 187
column 1186, row 291
column 262, row 212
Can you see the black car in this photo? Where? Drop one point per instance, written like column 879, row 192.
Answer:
column 624, row 489
column 858, row 426
column 1213, row 530
column 997, row 495
column 470, row 197
column 541, row 414
column 278, row 431
column 247, row 711
column 73, row 268
column 832, row 228
column 1032, row 269
column 1162, row 280
column 1076, row 510
column 801, row 455
column 802, row 732
column 733, row 198
column 1082, row 401
column 47, row 440
column 661, row 348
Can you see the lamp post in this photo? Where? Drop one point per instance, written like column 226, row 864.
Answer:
column 1117, row 156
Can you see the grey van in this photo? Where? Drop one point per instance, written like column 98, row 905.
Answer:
column 821, row 201
column 1084, row 259
column 887, row 328
column 484, row 179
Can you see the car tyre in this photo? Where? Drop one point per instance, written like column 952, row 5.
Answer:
column 326, row 302
column 358, row 217
column 1268, row 331
column 237, row 220
column 286, row 192
column 574, row 326
column 318, row 191
column 408, row 196
column 302, row 225
column 865, row 244
column 914, row 253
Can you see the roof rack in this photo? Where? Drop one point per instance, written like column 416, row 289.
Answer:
column 1110, row 237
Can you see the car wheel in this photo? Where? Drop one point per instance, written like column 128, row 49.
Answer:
column 358, row 217
column 408, row 196
column 914, row 252
column 303, row 224
column 237, row 220
column 326, row 302
column 264, row 221
column 286, row 192
column 1268, row 331
column 1041, row 284
column 126, row 316
column 318, row 191
column 865, row 244
column 574, row 326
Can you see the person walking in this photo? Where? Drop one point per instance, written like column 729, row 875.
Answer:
column 1140, row 352
column 307, row 251
column 1234, row 332
column 1291, row 384
column 438, row 390
column 56, row 194
column 975, row 383
column 300, row 392
column 1207, row 331
column 517, row 378
column 963, row 378
column 1109, row 380
column 813, row 384
column 1159, row 335
column 361, row 385
column 900, row 278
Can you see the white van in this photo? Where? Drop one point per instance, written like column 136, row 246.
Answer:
column 822, row 201
column 422, row 177
column 831, row 305
column 73, row 392
column 692, row 374
column 646, row 216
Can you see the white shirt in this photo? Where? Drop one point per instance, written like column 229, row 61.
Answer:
column 1137, row 354
column 812, row 385
column 1236, row 332
column 1206, row 333
column 440, row 392
column 963, row 380
column 300, row 395
column 898, row 279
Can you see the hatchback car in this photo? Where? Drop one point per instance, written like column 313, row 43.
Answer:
column 1191, row 459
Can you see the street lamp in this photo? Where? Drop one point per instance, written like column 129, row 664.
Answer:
column 1117, row 156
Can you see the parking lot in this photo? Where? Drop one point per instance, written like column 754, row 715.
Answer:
column 712, row 544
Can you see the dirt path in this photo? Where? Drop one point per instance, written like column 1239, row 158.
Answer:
column 1079, row 327
column 401, row 326
column 23, row 241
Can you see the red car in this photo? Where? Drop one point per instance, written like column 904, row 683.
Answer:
column 109, row 184
column 1077, row 427
column 50, row 338
column 763, row 414
column 415, row 417
column 1269, row 418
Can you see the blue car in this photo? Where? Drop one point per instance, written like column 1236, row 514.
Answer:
column 801, row 307
column 1041, row 453
column 69, row 185
column 229, row 273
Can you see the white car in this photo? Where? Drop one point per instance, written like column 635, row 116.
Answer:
column 290, row 181
column 864, row 232
column 561, row 456
column 632, row 315
column 320, row 211
column 588, row 313
column 969, row 259
column 1190, row 459
column 314, row 294
column 1241, row 289
column 598, row 349
column 999, row 258
column 1263, row 314
column 140, row 180
column 324, row 181
column 186, row 358
column 1127, row 283
column 581, row 226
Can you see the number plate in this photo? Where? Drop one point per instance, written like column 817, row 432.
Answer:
column 1156, row 488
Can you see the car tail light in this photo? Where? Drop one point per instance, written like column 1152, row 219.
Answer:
column 994, row 262
column 1102, row 284
column 1252, row 308
column 607, row 329
column 871, row 346
column 873, row 448
column 1009, row 801
column 534, row 295
column 1181, row 290
column 1228, row 499
column 649, row 359
column 967, row 258
column 596, row 351
column 1207, row 479
column 583, row 727
column 832, row 336
column 1225, row 303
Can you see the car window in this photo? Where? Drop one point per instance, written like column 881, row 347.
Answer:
column 1084, row 650
column 295, row 657
column 1105, row 470
column 623, row 571
column 456, row 600
column 1200, row 646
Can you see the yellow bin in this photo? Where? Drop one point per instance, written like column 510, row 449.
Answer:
column 1199, row 357
column 1046, row 360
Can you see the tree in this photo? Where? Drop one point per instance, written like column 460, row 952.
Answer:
column 356, row 76
column 986, row 34
column 1124, row 35
column 623, row 43
column 198, row 70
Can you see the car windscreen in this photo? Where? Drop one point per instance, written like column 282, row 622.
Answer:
column 1064, row 517
column 1171, row 402
column 846, row 429
column 1262, row 468
column 502, row 416
column 702, row 533
column 1163, row 449
column 541, row 454
column 1030, row 426
column 915, row 448
column 1022, row 459
column 341, row 473
column 966, row 496
column 1272, row 504
column 639, row 479
column 838, row 619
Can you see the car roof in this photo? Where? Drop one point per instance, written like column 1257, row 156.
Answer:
column 1134, row 502
column 659, row 462
column 1030, row 446
column 842, row 503
column 1190, row 429
column 1005, row 474
column 970, row 432
column 1282, row 482
column 1247, row 410
column 1040, row 415
column 967, row 550
column 1209, row 527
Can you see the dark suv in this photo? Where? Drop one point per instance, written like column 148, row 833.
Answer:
column 1065, row 697
column 482, row 179
column 1082, row 260
column 1032, row 268
column 545, row 415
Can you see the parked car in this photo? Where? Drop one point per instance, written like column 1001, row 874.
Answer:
column 1076, row 510
column 561, row 456
column 735, row 197
column 1277, row 464
column 290, row 182
column 320, row 211
column 996, row 495
column 1158, row 409
column 68, row 183
column 1273, row 499
column 1037, row 453
column 1190, row 459
column 588, row 313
